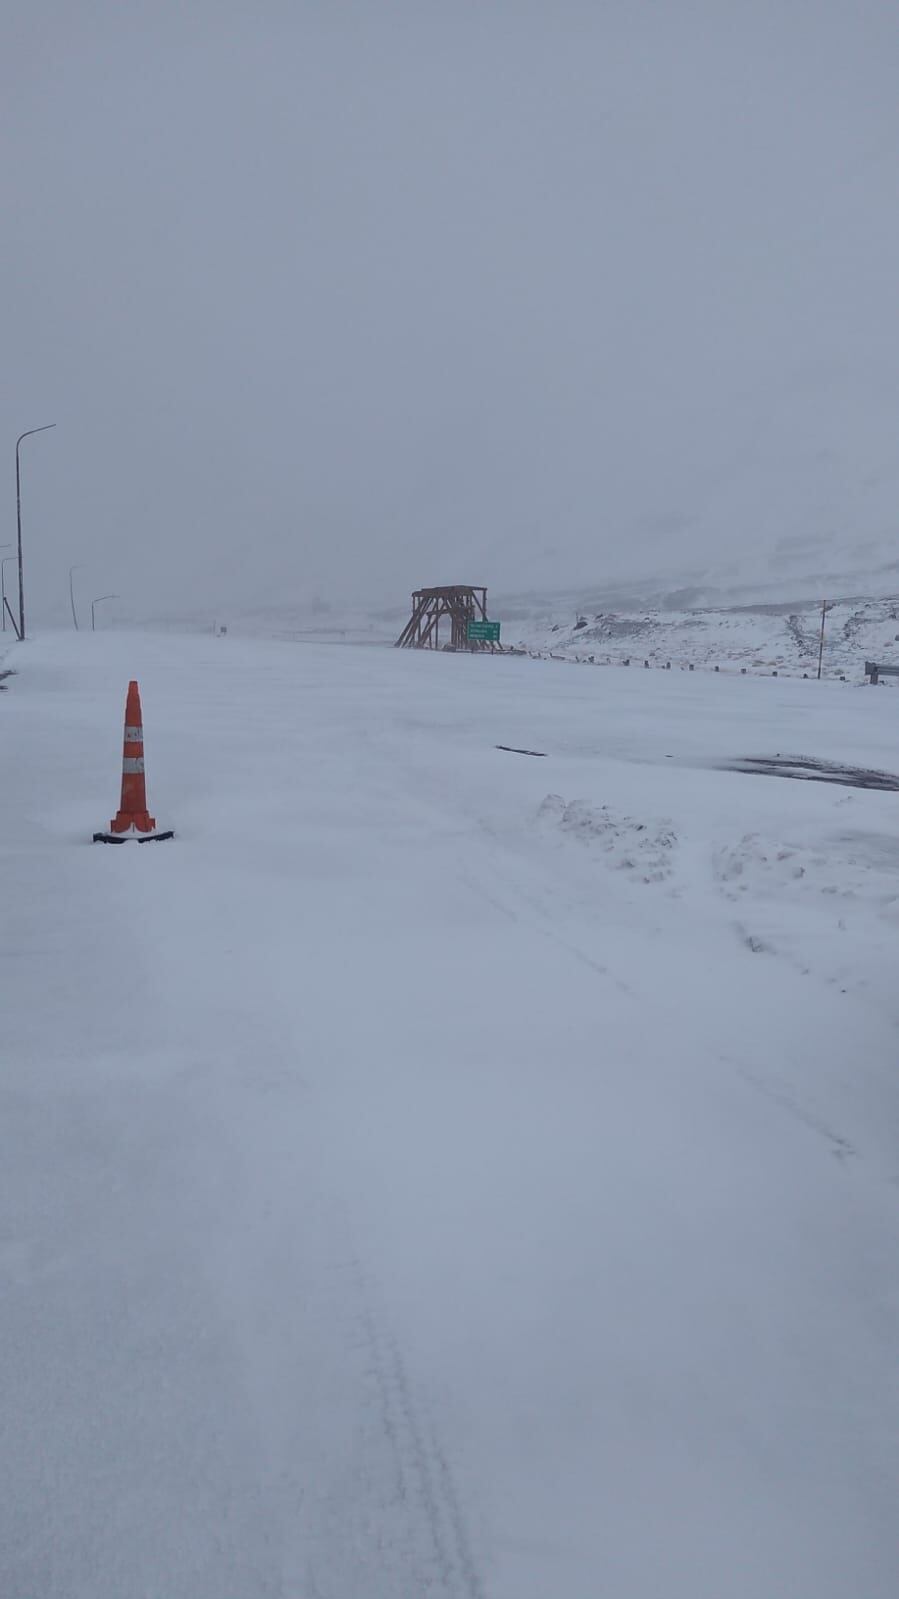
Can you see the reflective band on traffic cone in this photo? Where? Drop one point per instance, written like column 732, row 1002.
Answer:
column 133, row 819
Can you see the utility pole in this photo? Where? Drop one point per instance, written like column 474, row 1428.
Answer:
column 72, row 593
column 824, row 610
column 26, row 435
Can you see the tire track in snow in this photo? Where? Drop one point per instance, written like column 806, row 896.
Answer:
column 538, row 918
column 840, row 1147
column 538, row 915
column 424, row 1477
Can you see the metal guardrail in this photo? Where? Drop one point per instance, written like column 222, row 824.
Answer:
column 875, row 670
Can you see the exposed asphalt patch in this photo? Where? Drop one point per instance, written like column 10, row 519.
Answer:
column 510, row 749
column 804, row 769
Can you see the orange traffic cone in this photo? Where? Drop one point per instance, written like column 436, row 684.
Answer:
column 133, row 820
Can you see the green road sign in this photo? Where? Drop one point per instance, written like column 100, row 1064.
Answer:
column 486, row 632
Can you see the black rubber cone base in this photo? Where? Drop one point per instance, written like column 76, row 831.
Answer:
column 132, row 838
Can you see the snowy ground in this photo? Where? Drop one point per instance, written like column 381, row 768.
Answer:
column 441, row 1171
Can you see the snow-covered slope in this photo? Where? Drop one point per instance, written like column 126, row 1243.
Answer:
column 756, row 638
column 443, row 1171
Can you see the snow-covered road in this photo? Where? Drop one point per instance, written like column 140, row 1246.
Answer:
column 441, row 1171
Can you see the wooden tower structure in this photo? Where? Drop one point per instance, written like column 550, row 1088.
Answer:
column 460, row 604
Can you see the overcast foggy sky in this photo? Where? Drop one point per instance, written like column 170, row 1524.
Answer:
column 324, row 295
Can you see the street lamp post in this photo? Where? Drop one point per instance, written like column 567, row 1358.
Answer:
column 95, row 603
column 72, row 592
column 26, row 435
column 3, row 565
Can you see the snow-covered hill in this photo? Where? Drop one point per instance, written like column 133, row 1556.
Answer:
column 761, row 638
column 642, row 623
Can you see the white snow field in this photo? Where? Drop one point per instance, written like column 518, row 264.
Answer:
column 443, row 1172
